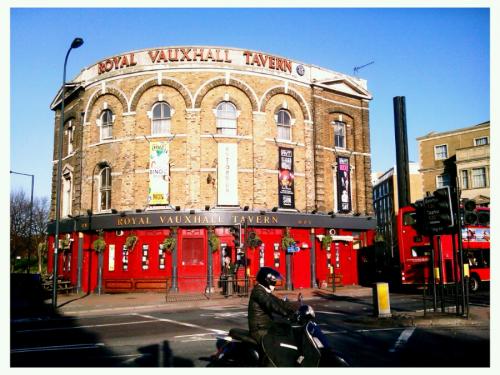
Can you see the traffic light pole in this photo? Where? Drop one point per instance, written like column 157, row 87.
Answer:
column 465, row 304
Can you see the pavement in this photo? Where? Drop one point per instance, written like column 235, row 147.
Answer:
column 93, row 304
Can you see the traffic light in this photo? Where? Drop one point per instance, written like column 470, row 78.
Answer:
column 470, row 215
column 445, row 206
column 420, row 218
column 236, row 233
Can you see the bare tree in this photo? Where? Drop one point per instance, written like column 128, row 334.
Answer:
column 20, row 241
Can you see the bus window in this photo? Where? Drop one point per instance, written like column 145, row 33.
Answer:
column 409, row 218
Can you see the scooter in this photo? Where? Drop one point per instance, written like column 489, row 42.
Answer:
column 296, row 343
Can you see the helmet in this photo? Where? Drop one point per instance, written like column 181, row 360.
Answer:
column 268, row 277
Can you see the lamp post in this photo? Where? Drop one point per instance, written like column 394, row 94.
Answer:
column 31, row 216
column 77, row 42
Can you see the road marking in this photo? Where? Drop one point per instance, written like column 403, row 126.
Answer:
column 82, row 327
column 329, row 312
column 180, row 323
column 59, row 347
column 402, row 339
column 222, row 315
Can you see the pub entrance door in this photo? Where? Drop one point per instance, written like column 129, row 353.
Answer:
column 192, row 261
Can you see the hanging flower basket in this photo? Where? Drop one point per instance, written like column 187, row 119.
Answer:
column 379, row 237
column 326, row 241
column 64, row 244
column 169, row 243
column 253, row 240
column 287, row 240
column 213, row 240
column 131, row 241
column 99, row 245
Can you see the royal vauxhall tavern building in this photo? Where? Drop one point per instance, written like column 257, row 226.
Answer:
column 183, row 164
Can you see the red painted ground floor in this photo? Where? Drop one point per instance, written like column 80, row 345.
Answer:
column 202, row 242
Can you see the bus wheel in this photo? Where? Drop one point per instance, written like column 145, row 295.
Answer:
column 473, row 284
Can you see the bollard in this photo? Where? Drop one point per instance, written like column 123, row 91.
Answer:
column 381, row 304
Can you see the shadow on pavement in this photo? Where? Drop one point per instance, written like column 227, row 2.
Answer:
column 41, row 337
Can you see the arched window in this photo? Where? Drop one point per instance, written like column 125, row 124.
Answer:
column 339, row 134
column 283, row 121
column 226, row 118
column 105, row 189
column 106, row 124
column 161, row 119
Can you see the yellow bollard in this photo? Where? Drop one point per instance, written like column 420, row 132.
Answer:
column 381, row 304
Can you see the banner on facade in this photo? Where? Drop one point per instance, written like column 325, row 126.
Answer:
column 227, row 181
column 286, row 178
column 159, row 158
column 343, row 185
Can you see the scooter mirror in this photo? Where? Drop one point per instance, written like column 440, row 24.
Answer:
column 300, row 298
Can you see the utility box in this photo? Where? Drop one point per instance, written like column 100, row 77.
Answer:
column 381, row 303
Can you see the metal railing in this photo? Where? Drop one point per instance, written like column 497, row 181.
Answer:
column 197, row 287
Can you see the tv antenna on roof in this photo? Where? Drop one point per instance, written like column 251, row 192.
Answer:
column 358, row 68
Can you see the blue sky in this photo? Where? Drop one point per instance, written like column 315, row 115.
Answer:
column 438, row 58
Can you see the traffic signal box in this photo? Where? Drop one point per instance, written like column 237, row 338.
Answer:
column 236, row 233
column 435, row 214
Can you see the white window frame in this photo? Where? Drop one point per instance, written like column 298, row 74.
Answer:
column 283, row 127
column 108, row 126
column 464, row 177
column 436, row 153
column 70, row 134
column 440, row 183
column 226, row 124
column 67, row 193
column 478, row 138
column 105, row 189
column 165, row 121
column 484, row 184
column 344, row 127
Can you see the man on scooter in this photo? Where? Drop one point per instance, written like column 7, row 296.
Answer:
column 262, row 304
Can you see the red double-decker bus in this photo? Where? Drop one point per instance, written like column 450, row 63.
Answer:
column 476, row 246
column 415, row 251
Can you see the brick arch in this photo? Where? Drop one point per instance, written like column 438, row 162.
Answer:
column 183, row 91
column 109, row 90
column 342, row 111
column 203, row 90
column 290, row 92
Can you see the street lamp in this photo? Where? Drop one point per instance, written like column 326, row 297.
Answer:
column 31, row 215
column 77, row 42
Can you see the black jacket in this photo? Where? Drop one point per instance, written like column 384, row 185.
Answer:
column 261, row 305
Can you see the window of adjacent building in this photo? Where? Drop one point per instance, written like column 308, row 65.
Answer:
column 442, row 180
column 67, row 187
column 284, row 124
column 481, row 141
column 440, row 152
column 70, row 132
column 105, row 189
column 465, row 179
column 339, row 134
column 161, row 119
column 226, row 115
column 106, row 124
column 478, row 177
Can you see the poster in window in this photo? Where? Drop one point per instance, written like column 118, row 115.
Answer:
column 158, row 193
column 286, row 178
column 343, row 185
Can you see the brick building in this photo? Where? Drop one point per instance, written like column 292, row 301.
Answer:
column 463, row 153
column 188, row 142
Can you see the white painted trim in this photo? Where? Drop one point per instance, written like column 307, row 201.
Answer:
column 345, row 104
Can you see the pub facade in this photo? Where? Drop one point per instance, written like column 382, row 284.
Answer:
column 178, row 161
